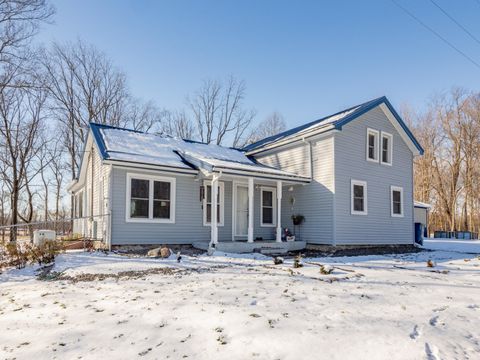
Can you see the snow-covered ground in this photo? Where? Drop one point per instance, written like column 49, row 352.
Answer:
column 244, row 307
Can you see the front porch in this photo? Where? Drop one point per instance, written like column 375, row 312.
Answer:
column 253, row 216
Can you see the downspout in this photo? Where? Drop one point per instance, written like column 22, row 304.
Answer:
column 93, row 236
column 110, row 207
column 334, row 197
column 211, row 245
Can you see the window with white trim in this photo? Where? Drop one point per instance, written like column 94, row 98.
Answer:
column 372, row 145
column 358, row 197
column 150, row 198
column 396, row 198
column 268, row 200
column 387, row 146
column 207, row 204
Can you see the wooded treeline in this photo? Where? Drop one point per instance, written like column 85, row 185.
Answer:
column 49, row 95
column 447, row 176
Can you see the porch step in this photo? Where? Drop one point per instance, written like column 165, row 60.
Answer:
column 264, row 247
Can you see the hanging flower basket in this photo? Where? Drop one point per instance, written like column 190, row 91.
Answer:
column 298, row 219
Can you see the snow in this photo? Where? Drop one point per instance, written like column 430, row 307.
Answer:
column 243, row 306
column 329, row 120
column 126, row 145
column 423, row 205
column 462, row 246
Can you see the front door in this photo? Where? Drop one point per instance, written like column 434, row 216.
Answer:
column 241, row 210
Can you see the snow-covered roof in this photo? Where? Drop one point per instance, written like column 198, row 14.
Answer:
column 335, row 121
column 137, row 147
column 422, row 205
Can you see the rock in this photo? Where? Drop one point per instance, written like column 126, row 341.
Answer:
column 154, row 252
column 326, row 269
column 165, row 252
column 277, row 260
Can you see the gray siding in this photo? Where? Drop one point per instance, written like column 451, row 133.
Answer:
column 315, row 200
column 188, row 226
column 295, row 159
column 378, row 227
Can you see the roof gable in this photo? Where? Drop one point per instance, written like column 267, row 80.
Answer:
column 337, row 121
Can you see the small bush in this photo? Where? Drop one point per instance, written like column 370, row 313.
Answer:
column 46, row 252
column 18, row 255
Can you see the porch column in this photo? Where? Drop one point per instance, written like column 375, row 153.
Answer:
column 250, row 210
column 279, row 211
column 214, row 202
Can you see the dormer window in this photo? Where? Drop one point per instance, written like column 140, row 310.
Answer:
column 372, row 145
column 387, row 142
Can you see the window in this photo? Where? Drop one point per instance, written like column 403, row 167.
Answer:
column 387, row 142
column 268, row 199
column 150, row 199
column 372, row 145
column 207, row 204
column 79, row 204
column 359, row 197
column 396, row 201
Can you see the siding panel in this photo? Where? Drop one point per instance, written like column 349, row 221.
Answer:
column 378, row 227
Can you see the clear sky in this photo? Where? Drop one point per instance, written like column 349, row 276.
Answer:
column 304, row 59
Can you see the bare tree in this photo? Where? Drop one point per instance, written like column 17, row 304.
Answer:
column 177, row 124
column 21, row 116
column 272, row 125
column 83, row 86
column 219, row 112
column 19, row 22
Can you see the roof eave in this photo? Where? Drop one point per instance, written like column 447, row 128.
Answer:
column 295, row 138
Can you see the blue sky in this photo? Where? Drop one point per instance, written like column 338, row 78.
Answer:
column 304, row 59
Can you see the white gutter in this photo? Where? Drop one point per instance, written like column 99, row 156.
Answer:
column 227, row 171
column 149, row 166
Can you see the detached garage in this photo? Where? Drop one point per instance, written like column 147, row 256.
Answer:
column 420, row 217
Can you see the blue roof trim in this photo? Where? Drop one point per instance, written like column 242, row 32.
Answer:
column 297, row 129
column 369, row 106
column 95, row 127
column 362, row 109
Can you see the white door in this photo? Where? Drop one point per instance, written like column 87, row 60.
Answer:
column 241, row 211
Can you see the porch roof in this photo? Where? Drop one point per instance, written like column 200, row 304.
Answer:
column 130, row 146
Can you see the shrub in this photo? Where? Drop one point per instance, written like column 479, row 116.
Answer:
column 46, row 252
column 14, row 254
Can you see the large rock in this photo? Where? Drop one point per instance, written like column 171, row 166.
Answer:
column 154, row 252
column 165, row 252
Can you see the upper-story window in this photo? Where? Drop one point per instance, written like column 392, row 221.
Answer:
column 150, row 198
column 372, row 145
column 387, row 145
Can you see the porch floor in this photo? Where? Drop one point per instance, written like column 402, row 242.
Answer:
column 264, row 247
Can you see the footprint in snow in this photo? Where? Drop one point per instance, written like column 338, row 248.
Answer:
column 433, row 321
column 431, row 352
column 415, row 333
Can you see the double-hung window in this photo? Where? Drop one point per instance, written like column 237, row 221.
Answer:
column 150, row 199
column 207, row 204
column 387, row 146
column 372, row 145
column 358, row 197
column 396, row 198
column 268, row 207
